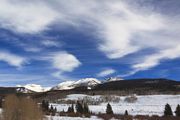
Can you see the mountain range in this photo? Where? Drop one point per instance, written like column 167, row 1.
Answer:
column 93, row 84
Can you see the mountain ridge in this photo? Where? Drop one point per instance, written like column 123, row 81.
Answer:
column 152, row 84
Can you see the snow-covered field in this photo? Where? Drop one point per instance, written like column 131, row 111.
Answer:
column 145, row 105
column 72, row 118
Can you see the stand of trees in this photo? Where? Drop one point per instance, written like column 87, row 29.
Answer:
column 168, row 110
column 71, row 109
column 82, row 108
column 48, row 110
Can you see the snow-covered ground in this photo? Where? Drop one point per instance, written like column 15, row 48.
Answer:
column 71, row 118
column 145, row 105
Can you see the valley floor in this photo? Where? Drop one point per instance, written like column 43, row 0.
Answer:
column 145, row 105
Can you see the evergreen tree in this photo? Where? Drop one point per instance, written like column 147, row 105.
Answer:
column 51, row 109
column 55, row 109
column 79, row 107
column 177, row 110
column 69, row 109
column 45, row 106
column 168, row 110
column 63, row 111
column 0, row 102
column 126, row 112
column 72, row 108
column 86, row 108
column 109, row 109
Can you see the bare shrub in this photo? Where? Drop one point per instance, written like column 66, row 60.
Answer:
column 15, row 108
column 110, row 98
column 92, row 101
column 131, row 99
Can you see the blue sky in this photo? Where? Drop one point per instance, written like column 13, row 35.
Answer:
column 47, row 42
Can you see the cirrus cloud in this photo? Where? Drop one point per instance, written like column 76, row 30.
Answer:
column 122, row 29
column 25, row 17
column 12, row 59
column 106, row 72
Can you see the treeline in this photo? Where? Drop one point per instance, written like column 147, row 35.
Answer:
column 48, row 109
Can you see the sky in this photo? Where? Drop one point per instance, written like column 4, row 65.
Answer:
column 48, row 42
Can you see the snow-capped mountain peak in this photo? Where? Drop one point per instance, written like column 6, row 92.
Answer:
column 64, row 85
column 88, row 82
column 33, row 88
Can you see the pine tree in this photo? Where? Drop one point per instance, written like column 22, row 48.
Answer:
column 55, row 109
column 0, row 102
column 79, row 107
column 168, row 110
column 45, row 106
column 126, row 113
column 72, row 108
column 51, row 109
column 86, row 108
column 69, row 109
column 63, row 111
column 177, row 110
column 109, row 109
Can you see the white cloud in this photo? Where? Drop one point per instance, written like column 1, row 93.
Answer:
column 12, row 59
column 155, row 59
column 124, row 29
column 24, row 16
column 32, row 49
column 65, row 62
column 50, row 43
column 121, row 28
column 118, row 31
column 106, row 72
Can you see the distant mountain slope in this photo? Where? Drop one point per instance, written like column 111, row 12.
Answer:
column 113, row 79
column 119, row 87
column 7, row 90
column 134, row 84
